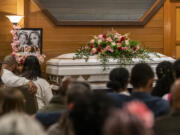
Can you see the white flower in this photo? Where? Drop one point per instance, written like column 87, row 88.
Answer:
column 113, row 44
column 127, row 42
column 99, row 41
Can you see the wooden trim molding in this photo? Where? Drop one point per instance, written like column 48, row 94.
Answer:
column 142, row 21
column 178, row 42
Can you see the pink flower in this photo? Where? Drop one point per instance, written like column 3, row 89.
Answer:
column 108, row 48
column 15, row 37
column 92, row 41
column 93, row 50
column 100, row 36
column 109, row 39
column 141, row 111
column 124, row 48
column 86, row 47
column 13, row 32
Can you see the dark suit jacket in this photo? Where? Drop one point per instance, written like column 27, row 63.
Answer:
column 157, row 105
column 120, row 99
column 169, row 124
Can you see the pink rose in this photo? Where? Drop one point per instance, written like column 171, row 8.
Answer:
column 100, row 36
column 124, row 48
column 109, row 39
column 93, row 50
column 92, row 41
column 108, row 48
column 17, row 42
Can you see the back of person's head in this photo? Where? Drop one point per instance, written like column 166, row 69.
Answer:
column 31, row 68
column 164, row 68
column 10, row 62
column 89, row 113
column 176, row 68
column 19, row 124
column 123, row 123
column 118, row 79
column 140, row 75
column 75, row 89
column 175, row 95
column 164, row 72
column 13, row 100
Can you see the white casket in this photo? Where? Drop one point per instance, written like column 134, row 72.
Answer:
column 91, row 71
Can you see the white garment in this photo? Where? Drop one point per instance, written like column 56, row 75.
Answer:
column 11, row 80
column 44, row 92
column 124, row 93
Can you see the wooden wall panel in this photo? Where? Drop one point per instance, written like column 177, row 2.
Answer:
column 7, row 7
column 65, row 39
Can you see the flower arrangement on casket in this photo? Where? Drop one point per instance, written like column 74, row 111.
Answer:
column 20, row 53
column 113, row 45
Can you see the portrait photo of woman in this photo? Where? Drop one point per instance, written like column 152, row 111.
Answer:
column 34, row 39
column 23, row 39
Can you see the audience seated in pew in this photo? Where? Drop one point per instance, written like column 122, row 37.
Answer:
column 165, row 75
column 170, row 124
column 142, row 79
column 119, row 79
column 86, row 115
column 74, row 90
column 58, row 100
column 9, row 79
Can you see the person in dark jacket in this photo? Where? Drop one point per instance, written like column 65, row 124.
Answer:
column 142, row 80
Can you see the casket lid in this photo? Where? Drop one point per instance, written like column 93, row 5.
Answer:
column 67, row 60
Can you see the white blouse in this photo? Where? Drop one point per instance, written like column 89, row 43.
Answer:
column 44, row 92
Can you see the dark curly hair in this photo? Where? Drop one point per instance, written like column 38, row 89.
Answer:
column 164, row 73
column 118, row 79
column 31, row 68
column 140, row 75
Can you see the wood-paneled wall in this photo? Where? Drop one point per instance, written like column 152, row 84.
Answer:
column 157, row 34
column 7, row 7
column 65, row 39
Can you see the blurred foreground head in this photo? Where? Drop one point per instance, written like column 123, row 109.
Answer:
column 121, row 122
column 19, row 124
